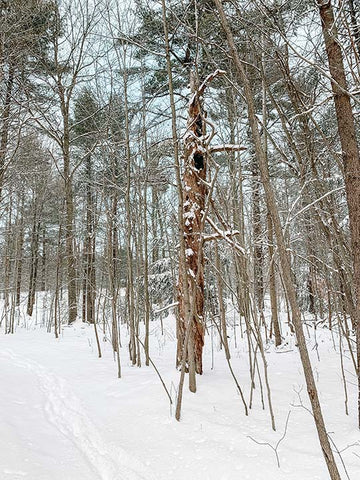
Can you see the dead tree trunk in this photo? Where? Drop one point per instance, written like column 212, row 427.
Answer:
column 194, row 194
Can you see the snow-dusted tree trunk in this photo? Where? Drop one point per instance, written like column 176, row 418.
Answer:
column 194, row 194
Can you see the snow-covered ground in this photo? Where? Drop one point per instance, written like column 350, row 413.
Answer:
column 64, row 415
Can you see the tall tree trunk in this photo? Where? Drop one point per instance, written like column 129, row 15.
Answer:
column 69, row 224
column 257, row 242
column 43, row 260
column 19, row 254
column 5, row 120
column 57, row 319
column 272, row 284
column 194, row 193
column 112, row 255
column 129, row 233
column 222, row 308
column 182, row 273
column 147, row 305
column 34, row 259
column 89, row 274
column 350, row 151
column 7, row 264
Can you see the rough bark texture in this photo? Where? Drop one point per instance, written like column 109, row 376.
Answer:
column 194, row 194
column 350, row 151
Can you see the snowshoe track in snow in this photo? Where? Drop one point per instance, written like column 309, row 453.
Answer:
column 63, row 410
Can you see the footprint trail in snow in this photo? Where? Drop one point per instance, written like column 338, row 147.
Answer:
column 63, row 409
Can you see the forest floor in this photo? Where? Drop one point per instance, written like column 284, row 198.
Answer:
column 64, row 415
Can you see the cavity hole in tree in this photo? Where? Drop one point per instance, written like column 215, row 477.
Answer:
column 198, row 161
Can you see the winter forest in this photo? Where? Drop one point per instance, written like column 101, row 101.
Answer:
column 180, row 239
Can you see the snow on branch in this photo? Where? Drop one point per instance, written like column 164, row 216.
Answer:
column 167, row 307
column 216, row 236
column 226, row 148
column 225, row 235
column 209, row 79
column 204, row 84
